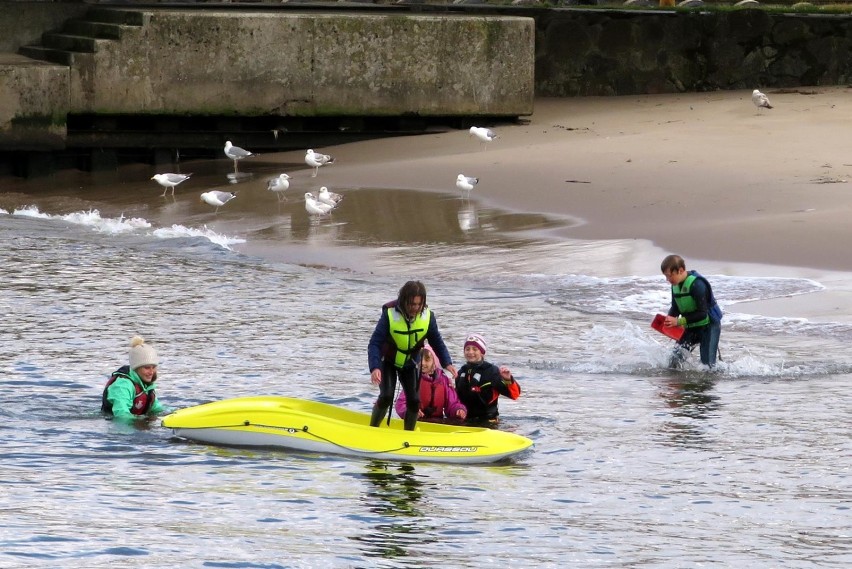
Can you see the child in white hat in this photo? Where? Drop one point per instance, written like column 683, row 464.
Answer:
column 479, row 384
column 129, row 393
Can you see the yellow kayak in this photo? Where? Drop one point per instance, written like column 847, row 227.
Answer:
column 311, row 426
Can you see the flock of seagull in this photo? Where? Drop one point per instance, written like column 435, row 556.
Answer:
column 325, row 201
column 319, row 205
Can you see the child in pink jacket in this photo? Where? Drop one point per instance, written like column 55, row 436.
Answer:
column 438, row 399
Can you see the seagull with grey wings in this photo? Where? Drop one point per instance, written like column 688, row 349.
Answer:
column 236, row 153
column 316, row 207
column 466, row 183
column 170, row 180
column 315, row 160
column 279, row 185
column 485, row 135
column 217, row 198
column 329, row 198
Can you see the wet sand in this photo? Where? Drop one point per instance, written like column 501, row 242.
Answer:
column 703, row 174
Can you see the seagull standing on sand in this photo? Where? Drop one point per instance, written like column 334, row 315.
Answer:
column 217, row 198
column 760, row 100
column 315, row 160
column 466, row 183
column 236, row 153
column 485, row 135
column 314, row 207
column 328, row 198
column 170, row 180
column 279, row 185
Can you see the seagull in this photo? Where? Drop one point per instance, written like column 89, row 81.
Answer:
column 170, row 180
column 485, row 135
column 278, row 185
column 760, row 100
column 329, row 198
column 217, row 198
column 236, row 153
column 466, row 183
column 314, row 207
column 315, row 160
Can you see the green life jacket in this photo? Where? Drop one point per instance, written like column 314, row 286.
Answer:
column 407, row 336
column 685, row 302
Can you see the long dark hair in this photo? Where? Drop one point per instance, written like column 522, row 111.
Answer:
column 407, row 293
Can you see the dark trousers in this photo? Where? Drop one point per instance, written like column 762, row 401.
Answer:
column 707, row 339
column 409, row 376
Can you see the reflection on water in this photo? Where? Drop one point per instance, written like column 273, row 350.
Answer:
column 394, row 494
column 691, row 403
column 239, row 177
column 468, row 217
column 394, row 489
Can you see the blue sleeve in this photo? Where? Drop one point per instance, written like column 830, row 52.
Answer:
column 673, row 309
column 437, row 342
column 377, row 342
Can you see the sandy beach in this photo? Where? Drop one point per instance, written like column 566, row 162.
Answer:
column 704, row 174
column 733, row 190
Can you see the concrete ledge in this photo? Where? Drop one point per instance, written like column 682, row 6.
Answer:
column 34, row 102
column 310, row 64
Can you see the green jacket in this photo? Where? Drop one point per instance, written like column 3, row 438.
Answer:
column 692, row 305
column 122, row 392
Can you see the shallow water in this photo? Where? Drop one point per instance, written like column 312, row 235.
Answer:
column 633, row 465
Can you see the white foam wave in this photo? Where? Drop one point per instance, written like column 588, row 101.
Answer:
column 122, row 225
column 177, row 231
column 635, row 350
column 93, row 219
column 30, row 211
column 648, row 295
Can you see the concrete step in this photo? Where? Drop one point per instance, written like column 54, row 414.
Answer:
column 43, row 53
column 113, row 16
column 91, row 29
column 82, row 35
column 70, row 42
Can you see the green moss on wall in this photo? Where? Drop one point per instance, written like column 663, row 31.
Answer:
column 40, row 121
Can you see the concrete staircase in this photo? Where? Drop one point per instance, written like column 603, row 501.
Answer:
column 83, row 35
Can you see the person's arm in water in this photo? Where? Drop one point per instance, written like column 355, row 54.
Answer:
column 121, row 395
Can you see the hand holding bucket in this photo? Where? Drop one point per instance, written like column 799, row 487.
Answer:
column 659, row 324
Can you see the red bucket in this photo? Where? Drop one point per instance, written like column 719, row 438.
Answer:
column 673, row 332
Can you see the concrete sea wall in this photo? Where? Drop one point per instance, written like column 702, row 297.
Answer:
column 100, row 65
column 310, row 64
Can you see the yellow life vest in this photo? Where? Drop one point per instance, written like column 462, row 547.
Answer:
column 407, row 336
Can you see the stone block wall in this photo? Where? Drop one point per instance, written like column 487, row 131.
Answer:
column 610, row 52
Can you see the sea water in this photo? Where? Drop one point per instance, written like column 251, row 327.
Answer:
column 634, row 465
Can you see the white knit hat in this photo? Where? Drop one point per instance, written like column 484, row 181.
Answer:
column 141, row 354
column 476, row 340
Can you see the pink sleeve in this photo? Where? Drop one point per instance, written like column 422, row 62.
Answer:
column 400, row 404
